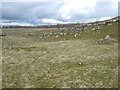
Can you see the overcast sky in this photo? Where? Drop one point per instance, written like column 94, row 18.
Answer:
column 31, row 12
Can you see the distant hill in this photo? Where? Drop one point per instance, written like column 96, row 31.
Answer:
column 115, row 19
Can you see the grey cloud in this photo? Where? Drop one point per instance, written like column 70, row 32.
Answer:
column 33, row 13
column 119, row 8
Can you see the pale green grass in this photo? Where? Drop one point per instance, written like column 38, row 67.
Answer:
column 57, row 63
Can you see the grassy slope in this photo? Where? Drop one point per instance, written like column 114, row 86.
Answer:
column 29, row 61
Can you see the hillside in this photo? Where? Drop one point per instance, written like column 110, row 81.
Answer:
column 66, row 57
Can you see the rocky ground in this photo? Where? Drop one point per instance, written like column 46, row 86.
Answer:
column 72, row 58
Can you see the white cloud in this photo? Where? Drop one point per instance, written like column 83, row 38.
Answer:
column 15, row 23
column 3, row 20
column 77, row 9
column 90, row 20
column 105, row 18
column 77, row 6
column 57, row 11
column 45, row 20
column 56, row 0
column 32, row 0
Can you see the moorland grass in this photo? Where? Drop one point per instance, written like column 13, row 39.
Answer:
column 60, row 62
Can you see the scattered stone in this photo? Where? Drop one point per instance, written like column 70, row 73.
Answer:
column 76, row 35
column 2, row 34
column 40, row 37
column 57, row 36
column 64, row 34
column 61, row 33
column 100, row 41
column 109, row 38
column 98, row 27
column 93, row 29
column 80, row 64
column 109, row 24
